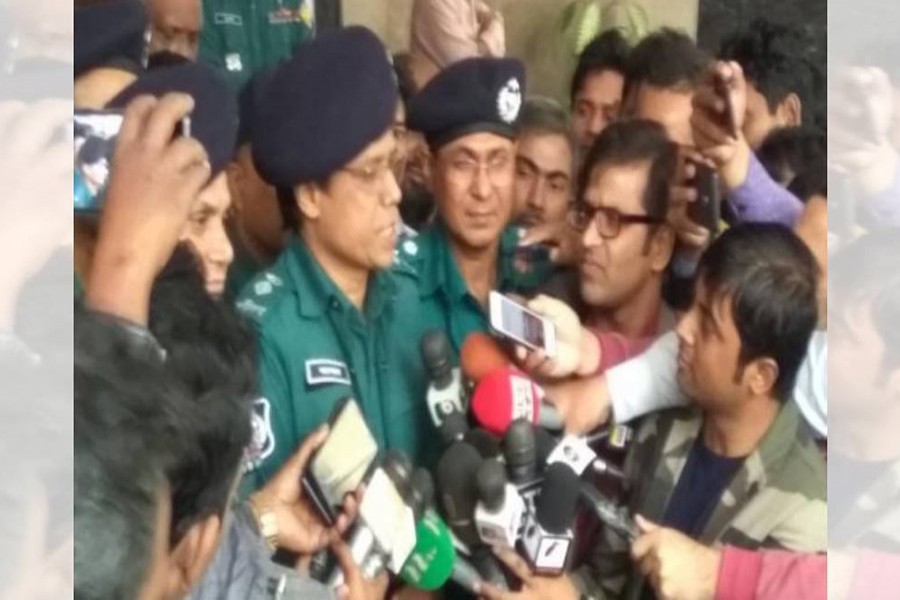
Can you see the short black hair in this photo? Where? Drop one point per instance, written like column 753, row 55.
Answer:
column 211, row 350
column 866, row 272
column 769, row 277
column 666, row 58
column 787, row 151
column 606, row 52
column 630, row 141
column 811, row 181
column 774, row 59
column 124, row 412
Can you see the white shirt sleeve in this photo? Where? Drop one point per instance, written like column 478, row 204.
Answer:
column 646, row 383
column 811, row 388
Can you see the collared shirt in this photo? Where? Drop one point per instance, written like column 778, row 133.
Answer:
column 316, row 348
column 243, row 37
column 447, row 303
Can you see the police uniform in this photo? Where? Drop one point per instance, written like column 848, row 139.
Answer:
column 315, row 346
column 471, row 96
column 242, row 37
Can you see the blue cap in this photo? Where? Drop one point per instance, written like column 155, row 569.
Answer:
column 214, row 121
column 334, row 97
column 470, row 96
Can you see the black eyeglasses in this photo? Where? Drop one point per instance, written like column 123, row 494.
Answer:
column 608, row 221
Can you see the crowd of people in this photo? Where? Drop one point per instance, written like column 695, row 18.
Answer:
column 285, row 221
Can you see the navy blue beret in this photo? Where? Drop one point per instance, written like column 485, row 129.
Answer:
column 108, row 32
column 469, row 96
column 214, row 121
column 250, row 103
column 334, row 97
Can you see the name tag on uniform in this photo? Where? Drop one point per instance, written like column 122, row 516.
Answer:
column 221, row 18
column 323, row 370
column 284, row 15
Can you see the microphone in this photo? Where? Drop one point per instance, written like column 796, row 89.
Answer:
column 545, row 443
column 445, row 392
column 453, row 429
column 575, row 452
column 520, row 452
column 507, row 395
column 498, row 515
column 481, row 355
column 548, row 538
column 486, row 444
column 434, row 560
column 455, row 477
column 422, row 492
column 610, row 514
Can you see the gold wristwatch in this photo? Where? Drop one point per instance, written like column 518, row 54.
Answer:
column 266, row 521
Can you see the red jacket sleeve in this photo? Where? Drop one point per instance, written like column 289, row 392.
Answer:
column 771, row 574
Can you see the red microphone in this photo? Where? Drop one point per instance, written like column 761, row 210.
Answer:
column 481, row 355
column 506, row 395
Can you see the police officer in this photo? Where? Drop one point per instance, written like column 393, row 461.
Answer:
column 333, row 319
column 468, row 114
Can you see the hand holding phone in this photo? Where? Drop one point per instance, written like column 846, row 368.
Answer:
column 522, row 325
column 342, row 462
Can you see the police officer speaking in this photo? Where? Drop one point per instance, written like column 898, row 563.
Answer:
column 333, row 319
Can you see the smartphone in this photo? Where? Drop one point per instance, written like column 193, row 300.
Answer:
column 521, row 325
column 340, row 464
column 706, row 209
column 94, row 134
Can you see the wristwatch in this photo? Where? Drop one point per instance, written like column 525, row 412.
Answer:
column 266, row 522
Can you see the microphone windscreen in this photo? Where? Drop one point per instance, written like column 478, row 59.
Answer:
column 453, row 428
column 504, row 396
column 455, row 478
column 437, row 354
column 545, row 443
column 555, row 506
column 486, row 444
column 481, row 355
column 431, row 563
column 422, row 491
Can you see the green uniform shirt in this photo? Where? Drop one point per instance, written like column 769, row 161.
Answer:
column 316, row 348
column 241, row 271
column 446, row 301
column 242, row 37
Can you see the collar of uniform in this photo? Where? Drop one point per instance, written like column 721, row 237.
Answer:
column 438, row 268
column 317, row 292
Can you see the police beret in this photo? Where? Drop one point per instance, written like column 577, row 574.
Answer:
column 250, row 101
column 469, row 96
column 214, row 120
column 109, row 32
column 334, row 97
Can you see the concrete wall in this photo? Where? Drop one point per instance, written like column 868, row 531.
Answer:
column 531, row 29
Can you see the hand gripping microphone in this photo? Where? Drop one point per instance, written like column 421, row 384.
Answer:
column 445, row 391
column 498, row 515
column 507, row 395
column 548, row 537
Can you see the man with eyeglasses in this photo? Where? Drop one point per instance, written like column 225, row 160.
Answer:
column 621, row 211
column 328, row 312
column 468, row 115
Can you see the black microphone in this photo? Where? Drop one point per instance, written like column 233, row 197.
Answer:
column 455, row 479
column 453, row 428
column 422, row 492
column 486, row 444
column 498, row 515
column 445, row 392
column 545, row 443
column 520, row 452
column 610, row 514
column 548, row 538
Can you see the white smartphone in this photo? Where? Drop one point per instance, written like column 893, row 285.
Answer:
column 521, row 325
